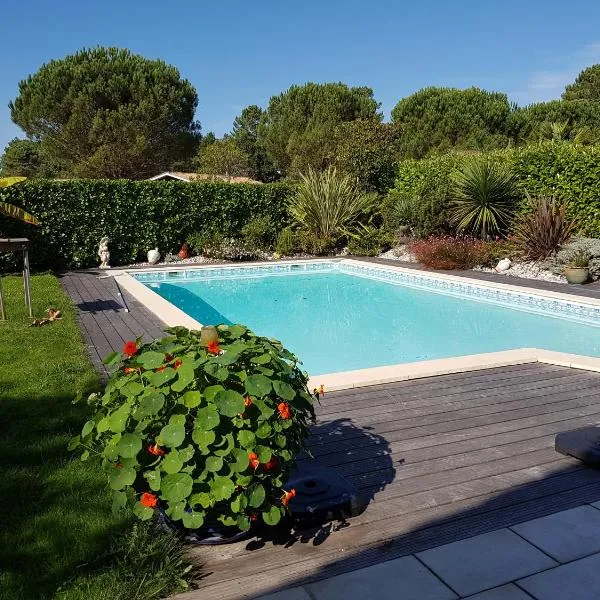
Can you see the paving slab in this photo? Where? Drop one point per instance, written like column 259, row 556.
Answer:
column 404, row 578
column 566, row 535
column 485, row 561
column 505, row 592
column 297, row 593
column 578, row 580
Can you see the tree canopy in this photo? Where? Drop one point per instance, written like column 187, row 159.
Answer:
column 298, row 124
column 25, row 158
column 437, row 119
column 106, row 112
column 586, row 86
column 223, row 157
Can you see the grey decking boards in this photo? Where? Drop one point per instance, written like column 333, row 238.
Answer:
column 444, row 458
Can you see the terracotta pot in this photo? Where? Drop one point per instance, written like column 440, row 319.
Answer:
column 577, row 274
column 184, row 252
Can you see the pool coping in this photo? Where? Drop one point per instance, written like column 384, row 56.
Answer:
column 172, row 316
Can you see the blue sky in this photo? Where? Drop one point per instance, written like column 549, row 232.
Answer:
column 239, row 53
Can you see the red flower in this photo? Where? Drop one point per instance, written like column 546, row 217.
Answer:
column 156, row 450
column 247, row 401
column 148, row 500
column 272, row 464
column 287, row 496
column 130, row 348
column 322, row 390
column 213, row 347
column 160, row 369
column 168, row 357
column 254, row 517
column 253, row 459
column 129, row 370
column 177, row 363
column 284, row 410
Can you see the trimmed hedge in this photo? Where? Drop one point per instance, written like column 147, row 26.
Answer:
column 135, row 215
column 420, row 195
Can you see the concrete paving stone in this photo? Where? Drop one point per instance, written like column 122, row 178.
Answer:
column 566, row 535
column 505, row 592
column 297, row 593
column 404, row 578
column 578, row 580
column 485, row 561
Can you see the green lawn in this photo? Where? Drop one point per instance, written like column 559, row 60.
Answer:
column 58, row 537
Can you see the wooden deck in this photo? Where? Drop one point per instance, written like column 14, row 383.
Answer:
column 438, row 459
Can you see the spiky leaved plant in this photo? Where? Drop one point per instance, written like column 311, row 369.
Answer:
column 328, row 202
column 483, row 196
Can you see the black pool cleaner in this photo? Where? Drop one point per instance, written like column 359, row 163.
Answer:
column 583, row 444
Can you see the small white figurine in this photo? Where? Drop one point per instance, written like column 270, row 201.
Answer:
column 503, row 265
column 153, row 256
column 104, row 253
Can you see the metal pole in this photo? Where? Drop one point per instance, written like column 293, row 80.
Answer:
column 2, row 313
column 26, row 282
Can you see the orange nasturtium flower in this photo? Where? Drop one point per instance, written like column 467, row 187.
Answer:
column 177, row 364
column 130, row 348
column 156, row 450
column 148, row 500
column 253, row 459
column 284, row 410
column 287, row 496
column 160, row 369
column 213, row 347
column 129, row 370
column 247, row 401
column 272, row 464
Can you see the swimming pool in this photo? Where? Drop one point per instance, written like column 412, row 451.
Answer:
column 346, row 315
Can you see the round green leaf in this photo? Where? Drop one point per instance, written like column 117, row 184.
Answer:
column 172, row 435
column 150, row 404
column 229, row 403
column 176, row 510
column 87, row 428
column 121, row 477
column 284, row 390
column 272, row 516
column 214, row 463
column 142, row 512
column 222, row 488
column 187, row 453
column 193, row 520
column 118, row 418
column 246, row 438
column 176, row 487
column 119, row 501
column 153, row 479
column 129, row 445
column 257, row 495
column 264, row 453
column 264, row 431
column 151, row 359
column 243, row 522
column 258, row 385
column 204, row 499
column 262, row 359
column 203, row 438
column 240, row 460
column 239, row 503
column 192, row 399
column 172, row 462
column 207, row 418
column 185, row 376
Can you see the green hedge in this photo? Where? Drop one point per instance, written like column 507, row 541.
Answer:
column 135, row 215
column 420, row 194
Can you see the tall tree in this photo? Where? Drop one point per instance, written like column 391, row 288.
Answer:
column 245, row 134
column 25, row 158
column 437, row 119
column 368, row 150
column 586, row 86
column 297, row 127
column 223, row 157
column 106, row 112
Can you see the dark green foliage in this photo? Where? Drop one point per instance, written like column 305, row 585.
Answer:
column 368, row 150
column 105, row 112
column 287, row 242
column 544, row 227
column 438, row 119
column 586, row 86
column 260, row 233
column 136, row 216
column 245, row 134
column 297, row 128
column 367, row 240
column 25, row 158
column 223, row 157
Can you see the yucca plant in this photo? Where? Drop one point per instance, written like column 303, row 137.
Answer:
column 544, row 227
column 10, row 210
column 328, row 202
column 483, row 195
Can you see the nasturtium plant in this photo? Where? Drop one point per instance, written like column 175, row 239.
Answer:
column 206, row 431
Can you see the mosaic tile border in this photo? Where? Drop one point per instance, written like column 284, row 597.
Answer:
column 510, row 298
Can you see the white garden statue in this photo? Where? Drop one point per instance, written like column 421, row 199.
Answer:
column 104, row 253
column 503, row 265
column 153, row 256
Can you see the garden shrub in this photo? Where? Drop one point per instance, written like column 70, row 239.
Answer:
column 447, row 252
column 208, row 432
column 367, row 240
column 589, row 246
column 135, row 215
column 259, row 233
column 287, row 242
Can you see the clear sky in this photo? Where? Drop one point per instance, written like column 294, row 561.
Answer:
column 238, row 53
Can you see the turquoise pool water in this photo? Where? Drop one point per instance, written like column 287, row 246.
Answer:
column 338, row 321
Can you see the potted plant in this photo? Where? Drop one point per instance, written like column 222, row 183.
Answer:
column 577, row 267
column 203, row 425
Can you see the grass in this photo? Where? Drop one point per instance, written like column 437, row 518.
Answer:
column 59, row 538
